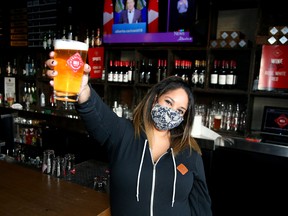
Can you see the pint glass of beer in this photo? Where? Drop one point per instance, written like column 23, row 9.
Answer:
column 217, row 122
column 71, row 57
column 10, row 97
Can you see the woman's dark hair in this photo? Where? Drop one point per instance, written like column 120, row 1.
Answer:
column 181, row 135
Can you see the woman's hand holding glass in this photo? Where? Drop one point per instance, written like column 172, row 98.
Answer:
column 84, row 93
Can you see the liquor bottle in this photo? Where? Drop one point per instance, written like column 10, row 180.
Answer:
column 130, row 72
column 64, row 33
column 44, row 41
column 177, row 67
column 25, row 94
column 184, row 73
column 214, row 75
column 92, row 39
column 42, row 99
column 115, row 72
column 202, row 72
column 186, row 70
column 121, row 72
column 103, row 74
column 52, row 100
column 135, row 71
column 14, row 67
column 32, row 69
column 49, row 40
column 54, row 38
column 98, row 39
column 76, row 33
column 230, row 76
column 234, row 67
column 164, row 70
column 33, row 93
column 8, row 69
column 149, row 75
column 159, row 70
column 30, row 97
column 223, row 74
column 27, row 66
column 195, row 74
column 125, row 71
column 142, row 72
column 87, row 39
column 111, row 70
column 70, row 33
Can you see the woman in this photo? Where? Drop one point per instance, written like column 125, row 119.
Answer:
column 182, row 7
column 156, row 166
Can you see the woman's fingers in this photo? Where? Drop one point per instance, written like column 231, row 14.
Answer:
column 51, row 73
column 52, row 54
column 87, row 68
column 51, row 63
column 51, row 82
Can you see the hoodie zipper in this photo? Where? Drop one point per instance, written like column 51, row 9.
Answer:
column 153, row 181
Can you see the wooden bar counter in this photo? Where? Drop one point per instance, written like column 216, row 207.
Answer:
column 24, row 191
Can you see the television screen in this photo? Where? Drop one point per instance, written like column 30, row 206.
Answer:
column 275, row 124
column 148, row 21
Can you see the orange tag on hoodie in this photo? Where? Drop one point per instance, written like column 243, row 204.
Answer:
column 182, row 169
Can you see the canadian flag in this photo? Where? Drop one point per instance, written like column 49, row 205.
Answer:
column 153, row 14
column 108, row 17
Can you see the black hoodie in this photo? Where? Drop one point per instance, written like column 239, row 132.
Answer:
column 173, row 186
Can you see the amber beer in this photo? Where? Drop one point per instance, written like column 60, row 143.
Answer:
column 71, row 57
column 10, row 98
column 217, row 122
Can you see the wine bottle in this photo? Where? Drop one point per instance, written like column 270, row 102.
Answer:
column 98, row 39
column 230, row 75
column 195, row 74
column 214, row 75
column 202, row 72
column 223, row 74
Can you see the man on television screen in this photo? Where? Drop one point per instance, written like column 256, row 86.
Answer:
column 131, row 14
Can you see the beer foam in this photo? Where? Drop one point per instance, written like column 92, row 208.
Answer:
column 70, row 44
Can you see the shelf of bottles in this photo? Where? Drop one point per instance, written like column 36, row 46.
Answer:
column 229, row 69
column 223, row 116
column 192, row 72
column 28, row 131
column 147, row 71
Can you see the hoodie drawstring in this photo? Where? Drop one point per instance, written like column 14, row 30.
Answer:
column 175, row 178
column 139, row 171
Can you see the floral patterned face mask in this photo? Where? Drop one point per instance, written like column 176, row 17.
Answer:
column 165, row 118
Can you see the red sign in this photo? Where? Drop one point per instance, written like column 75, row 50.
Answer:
column 96, row 61
column 273, row 73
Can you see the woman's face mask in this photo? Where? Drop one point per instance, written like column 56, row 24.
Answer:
column 165, row 118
